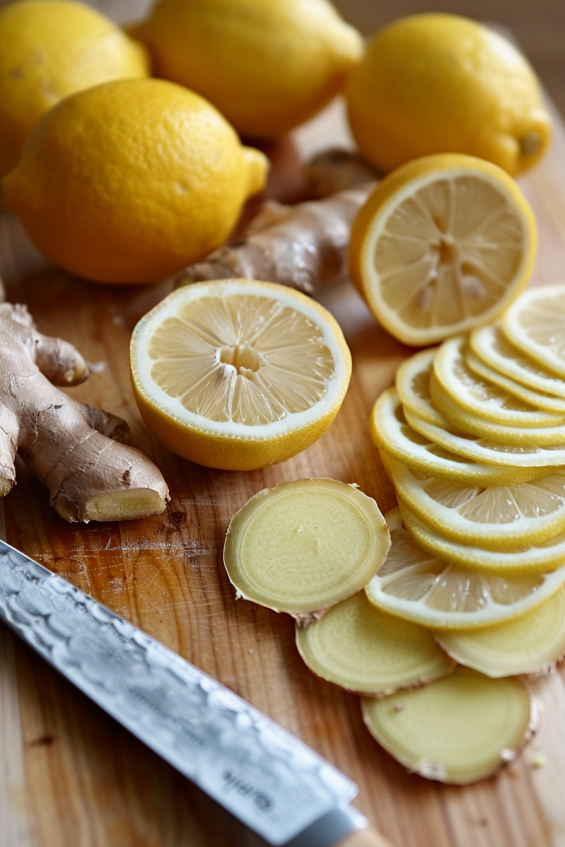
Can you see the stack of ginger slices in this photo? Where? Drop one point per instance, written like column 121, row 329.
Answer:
column 439, row 614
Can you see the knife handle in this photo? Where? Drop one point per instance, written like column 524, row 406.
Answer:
column 364, row 838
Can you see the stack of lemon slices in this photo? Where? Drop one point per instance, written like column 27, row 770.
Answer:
column 465, row 599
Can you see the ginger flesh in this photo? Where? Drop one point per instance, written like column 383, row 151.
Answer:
column 75, row 450
column 458, row 729
column 362, row 649
column 303, row 546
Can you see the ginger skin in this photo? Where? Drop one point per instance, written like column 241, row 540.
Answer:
column 72, row 449
column 302, row 246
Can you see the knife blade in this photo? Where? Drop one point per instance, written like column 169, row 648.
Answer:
column 263, row 775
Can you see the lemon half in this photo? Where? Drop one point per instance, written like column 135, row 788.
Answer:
column 237, row 374
column 442, row 244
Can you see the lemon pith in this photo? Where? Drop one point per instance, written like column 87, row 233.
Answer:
column 238, row 374
column 442, row 244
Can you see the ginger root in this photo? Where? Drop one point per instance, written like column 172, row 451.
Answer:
column 302, row 246
column 72, row 449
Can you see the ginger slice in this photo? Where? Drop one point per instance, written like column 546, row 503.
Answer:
column 304, row 546
column 367, row 651
column 459, row 729
column 532, row 644
column 72, row 449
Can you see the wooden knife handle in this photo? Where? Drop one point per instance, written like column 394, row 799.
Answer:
column 364, row 838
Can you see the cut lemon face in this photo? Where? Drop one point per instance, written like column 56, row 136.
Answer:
column 362, row 649
column 532, row 644
column 503, row 517
column 304, row 546
column 426, row 590
column 392, row 434
column 492, row 347
column 478, row 397
column 442, row 244
column 459, row 729
column 536, row 324
column 540, row 399
column 486, row 450
column 237, row 374
column 540, row 558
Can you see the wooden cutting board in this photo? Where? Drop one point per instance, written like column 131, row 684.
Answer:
column 69, row 775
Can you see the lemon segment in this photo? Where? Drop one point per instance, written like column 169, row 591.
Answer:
column 530, row 645
column 364, row 650
column 48, row 50
column 459, row 729
column 487, row 450
column 493, row 348
column 498, row 518
column 421, row 588
column 506, row 435
column 392, row 434
column 442, row 244
column 543, row 400
column 481, row 398
column 304, row 546
column 236, row 374
column 536, row 326
column 437, row 83
column 544, row 557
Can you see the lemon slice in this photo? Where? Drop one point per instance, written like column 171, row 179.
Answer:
column 473, row 394
column 534, row 398
column 492, row 347
column 459, row 729
column 536, row 324
column 437, row 594
column 362, row 649
column 304, row 546
column 533, row 644
column 236, row 374
column 504, row 517
column 486, row 450
column 442, row 244
column 413, row 385
column 545, row 557
column 393, row 435
column 466, row 421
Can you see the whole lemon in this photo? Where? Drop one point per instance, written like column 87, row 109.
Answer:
column 49, row 49
column 131, row 180
column 267, row 65
column 439, row 83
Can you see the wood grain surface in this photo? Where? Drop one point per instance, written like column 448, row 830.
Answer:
column 69, row 775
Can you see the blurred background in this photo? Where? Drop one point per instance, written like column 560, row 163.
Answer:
column 538, row 26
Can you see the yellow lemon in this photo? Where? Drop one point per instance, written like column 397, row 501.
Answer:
column 131, row 180
column 48, row 50
column 439, row 83
column 442, row 244
column 267, row 65
column 238, row 374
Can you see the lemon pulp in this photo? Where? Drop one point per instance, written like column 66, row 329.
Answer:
column 244, row 359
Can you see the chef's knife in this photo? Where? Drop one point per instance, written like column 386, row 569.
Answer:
column 268, row 779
